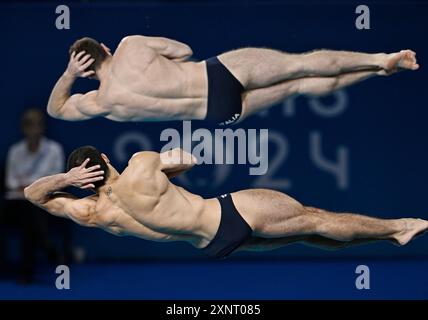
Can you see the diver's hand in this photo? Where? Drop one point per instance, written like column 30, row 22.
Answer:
column 82, row 177
column 78, row 64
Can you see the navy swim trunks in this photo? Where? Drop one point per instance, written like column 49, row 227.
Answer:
column 224, row 94
column 232, row 232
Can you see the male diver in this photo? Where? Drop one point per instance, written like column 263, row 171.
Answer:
column 141, row 201
column 152, row 79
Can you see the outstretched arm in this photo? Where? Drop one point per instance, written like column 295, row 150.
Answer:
column 63, row 106
column 45, row 192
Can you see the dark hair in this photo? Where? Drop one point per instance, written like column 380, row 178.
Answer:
column 92, row 47
column 29, row 115
column 79, row 155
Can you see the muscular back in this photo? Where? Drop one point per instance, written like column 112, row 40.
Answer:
column 143, row 202
column 143, row 84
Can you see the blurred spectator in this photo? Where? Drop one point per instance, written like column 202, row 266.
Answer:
column 28, row 160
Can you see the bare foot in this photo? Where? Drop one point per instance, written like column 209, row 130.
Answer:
column 403, row 60
column 411, row 227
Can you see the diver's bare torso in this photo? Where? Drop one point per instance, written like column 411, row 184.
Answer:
column 144, row 85
column 147, row 205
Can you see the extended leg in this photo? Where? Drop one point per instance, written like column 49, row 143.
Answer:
column 256, row 100
column 273, row 214
column 257, row 67
column 265, row 244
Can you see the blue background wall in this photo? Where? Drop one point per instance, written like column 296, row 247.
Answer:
column 379, row 124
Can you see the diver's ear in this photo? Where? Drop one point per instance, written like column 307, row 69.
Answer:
column 106, row 49
column 106, row 159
